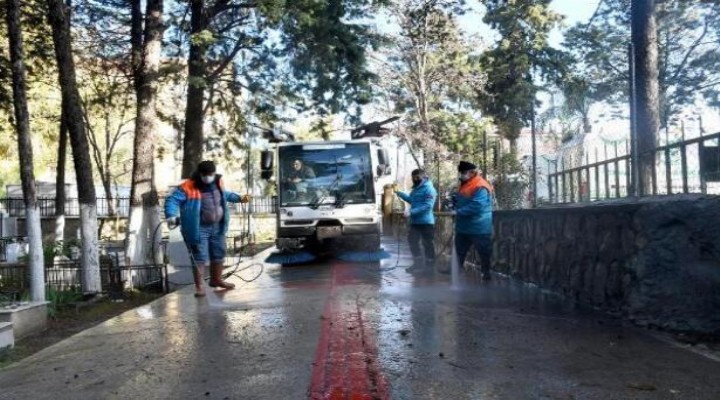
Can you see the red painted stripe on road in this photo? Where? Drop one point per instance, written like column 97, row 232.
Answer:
column 346, row 362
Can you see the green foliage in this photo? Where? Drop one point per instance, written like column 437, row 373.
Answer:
column 328, row 43
column 521, row 53
column 428, row 75
column 511, row 183
column 204, row 38
column 60, row 298
column 270, row 189
column 39, row 64
column 266, row 59
column 579, row 94
column 59, row 248
column 460, row 132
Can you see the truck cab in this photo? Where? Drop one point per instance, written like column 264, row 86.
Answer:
column 328, row 194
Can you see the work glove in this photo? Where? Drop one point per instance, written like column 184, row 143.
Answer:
column 172, row 222
column 395, row 187
column 245, row 198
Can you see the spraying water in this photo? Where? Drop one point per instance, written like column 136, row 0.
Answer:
column 454, row 270
column 212, row 298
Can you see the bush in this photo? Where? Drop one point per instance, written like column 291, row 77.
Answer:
column 61, row 298
column 511, row 183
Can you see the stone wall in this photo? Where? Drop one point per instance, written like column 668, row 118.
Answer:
column 655, row 261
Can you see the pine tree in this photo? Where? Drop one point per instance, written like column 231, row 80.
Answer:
column 521, row 57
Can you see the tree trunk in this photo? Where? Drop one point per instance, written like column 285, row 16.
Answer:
column 25, row 153
column 144, row 209
column 645, row 53
column 60, row 195
column 107, row 187
column 59, row 17
column 193, row 141
column 106, row 174
column 587, row 127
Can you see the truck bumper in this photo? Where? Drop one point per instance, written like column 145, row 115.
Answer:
column 361, row 235
column 347, row 230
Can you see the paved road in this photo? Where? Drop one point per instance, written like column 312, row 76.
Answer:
column 354, row 331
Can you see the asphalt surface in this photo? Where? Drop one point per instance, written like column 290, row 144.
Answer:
column 333, row 330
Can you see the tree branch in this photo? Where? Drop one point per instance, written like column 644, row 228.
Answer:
column 692, row 48
column 92, row 140
column 224, row 5
column 227, row 60
column 231, row 25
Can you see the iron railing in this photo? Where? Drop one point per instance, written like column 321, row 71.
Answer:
column 15, row 207
column 259, row 205
column 14, row 278
column 672, row 173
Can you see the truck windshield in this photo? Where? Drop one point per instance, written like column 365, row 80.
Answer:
column 332, row 173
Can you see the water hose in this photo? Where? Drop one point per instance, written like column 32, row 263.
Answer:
column 235, row 272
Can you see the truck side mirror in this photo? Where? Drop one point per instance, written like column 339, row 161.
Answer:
column 266, row 164
column 383, row 162
column 383, row 158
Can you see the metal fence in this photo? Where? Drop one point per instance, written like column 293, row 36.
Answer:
column 14, row 278
column 687, row 166
column 15, row 207
column 259, row 205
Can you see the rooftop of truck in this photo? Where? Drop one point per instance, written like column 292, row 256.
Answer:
column 329, row 142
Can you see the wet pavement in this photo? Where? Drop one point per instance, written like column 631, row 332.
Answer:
column 362, row 331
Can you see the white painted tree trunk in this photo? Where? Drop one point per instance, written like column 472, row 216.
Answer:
column 142, row 226
column 60, row 228
column 153, row 221
column 89, row 258
column 37, row 267
column 25, row 153
column 135, row 250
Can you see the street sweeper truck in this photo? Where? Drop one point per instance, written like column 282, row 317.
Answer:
column 329, row 196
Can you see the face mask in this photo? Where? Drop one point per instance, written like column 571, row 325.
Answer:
column 208, row 179
column 417, row 182
column 464, row 177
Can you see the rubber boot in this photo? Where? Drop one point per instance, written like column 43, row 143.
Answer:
column 417, row 266
column 198, row 279
column 430, row 265
column 216, row 279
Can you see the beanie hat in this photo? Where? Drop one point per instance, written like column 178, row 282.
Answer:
column 418, row 172
column 465, row 166
column 206, row 168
